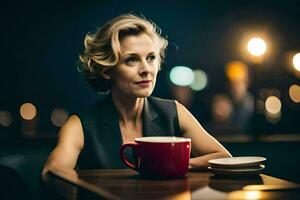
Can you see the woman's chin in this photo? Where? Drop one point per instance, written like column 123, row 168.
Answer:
column 143, row 94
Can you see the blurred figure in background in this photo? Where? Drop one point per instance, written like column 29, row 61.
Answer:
column 243, row 102
column 232, row 114
column 221, row 113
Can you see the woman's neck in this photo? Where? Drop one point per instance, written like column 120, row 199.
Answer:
column 130, row 109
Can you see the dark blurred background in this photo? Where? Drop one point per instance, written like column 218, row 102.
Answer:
column 249, row 102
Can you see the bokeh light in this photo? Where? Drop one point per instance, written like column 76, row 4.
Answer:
column 248, row 195
column 5, row 118
column 252, row 195
column 296, row 61
column 28, row 111
column 236, row 70
column 256, row 46
column 294, row 93
column 59, row 116
column 182, row 76
column 273, row 104
column 200, row 80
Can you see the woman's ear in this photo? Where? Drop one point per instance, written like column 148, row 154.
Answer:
column 105, row 73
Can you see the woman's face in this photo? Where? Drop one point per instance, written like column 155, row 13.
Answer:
column 135, row 74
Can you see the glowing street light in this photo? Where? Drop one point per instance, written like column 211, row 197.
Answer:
column 200, row 80
column 28, row 111
column 273, row 105
column 182, row 76
column 294, row 93
column 59, row 116
column 296, row 61
column 257, row 46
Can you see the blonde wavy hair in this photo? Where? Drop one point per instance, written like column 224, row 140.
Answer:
column 102, row 48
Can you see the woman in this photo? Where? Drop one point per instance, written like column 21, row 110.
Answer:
column 124, row 57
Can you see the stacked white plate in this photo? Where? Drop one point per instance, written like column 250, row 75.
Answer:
column 246, row 165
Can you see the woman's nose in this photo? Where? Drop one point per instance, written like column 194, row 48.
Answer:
column 145, row 67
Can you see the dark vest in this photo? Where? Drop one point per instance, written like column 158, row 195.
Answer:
column 102, row 135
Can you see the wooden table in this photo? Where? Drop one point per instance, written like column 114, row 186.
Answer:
column 127, row 184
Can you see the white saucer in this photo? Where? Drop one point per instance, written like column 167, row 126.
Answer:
column 236, row 162
column 244, row 171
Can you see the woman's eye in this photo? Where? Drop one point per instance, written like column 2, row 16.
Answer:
column 151, row 58
column 130, row 61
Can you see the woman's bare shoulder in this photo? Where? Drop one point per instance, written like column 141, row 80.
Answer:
column 72, row 132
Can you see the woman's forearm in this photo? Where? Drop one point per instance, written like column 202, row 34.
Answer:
column 201, row 163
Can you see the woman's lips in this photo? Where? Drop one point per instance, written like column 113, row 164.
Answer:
column 144, row 83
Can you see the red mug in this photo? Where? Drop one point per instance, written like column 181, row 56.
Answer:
column 159, row 156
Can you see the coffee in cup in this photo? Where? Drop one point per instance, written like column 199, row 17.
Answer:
column 159, row 156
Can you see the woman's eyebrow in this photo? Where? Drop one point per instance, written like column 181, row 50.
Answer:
column 130, row 54
column 152, row 52
column 136, row 54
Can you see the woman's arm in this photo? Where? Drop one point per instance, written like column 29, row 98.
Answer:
column 204, row 146
column 70, row 143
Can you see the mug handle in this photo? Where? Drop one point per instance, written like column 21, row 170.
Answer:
column 129, row 164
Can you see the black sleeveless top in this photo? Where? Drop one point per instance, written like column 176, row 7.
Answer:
column 102, row 135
